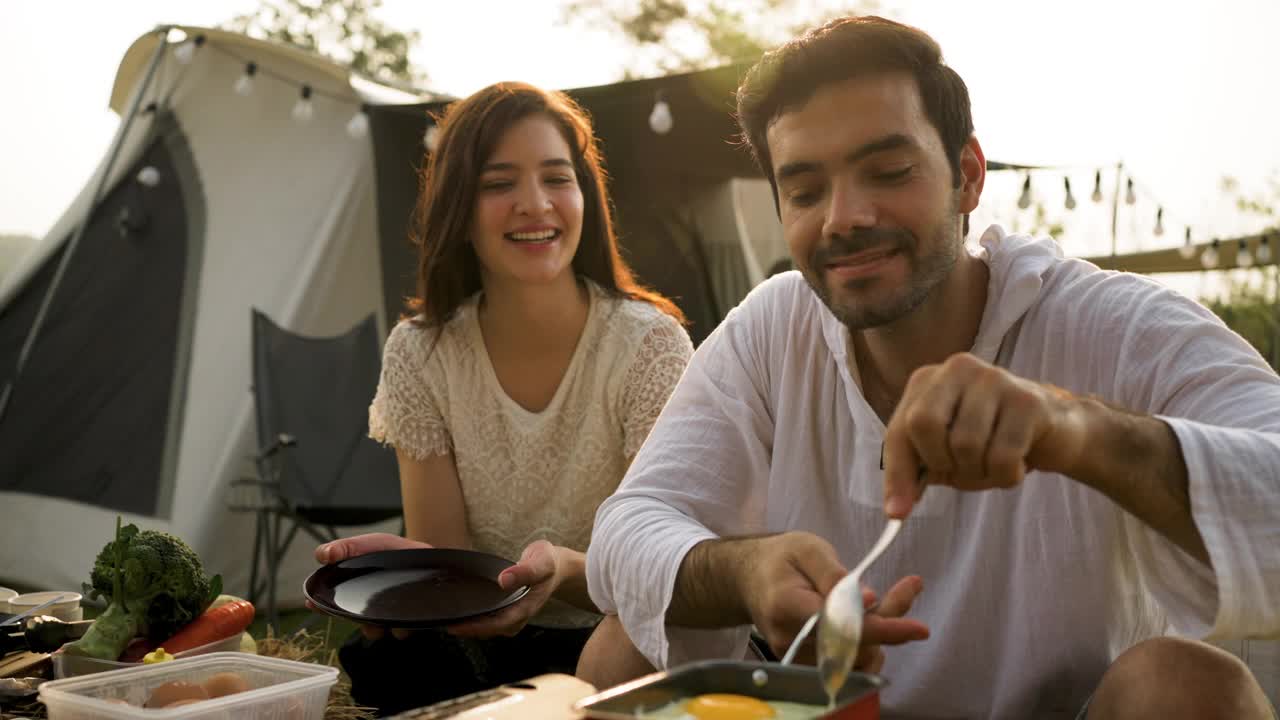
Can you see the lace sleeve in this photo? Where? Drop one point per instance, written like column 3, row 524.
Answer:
column 655, row 369
column 404, row 412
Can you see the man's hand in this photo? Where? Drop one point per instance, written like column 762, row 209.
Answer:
column 789, row 578
column 882, row 624
column 974, row 426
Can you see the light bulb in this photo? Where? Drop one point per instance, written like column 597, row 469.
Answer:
column 149, row 176
column 358, row 125
column 187, row 50
column 1159, row 222
column 1097, row 187
column 432, row 137
column 244, row 83
column 1263, row 254
column 1024, row 200
column 1187, row 251
column 1243, row 257
column 1209, row 258
column 1129, row 196
column 302, row 110
column 660, row 120
column 1071, row 199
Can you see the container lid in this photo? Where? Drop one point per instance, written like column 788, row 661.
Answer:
column 29, row 600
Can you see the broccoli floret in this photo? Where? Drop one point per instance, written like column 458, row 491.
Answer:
column 154, row 584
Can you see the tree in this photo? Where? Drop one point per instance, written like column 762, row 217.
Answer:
column 1252, row 309
column 669, row 36
column 344, row 31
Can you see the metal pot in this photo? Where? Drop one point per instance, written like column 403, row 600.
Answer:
column 859, row 700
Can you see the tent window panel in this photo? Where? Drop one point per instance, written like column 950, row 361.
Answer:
column 89, row 415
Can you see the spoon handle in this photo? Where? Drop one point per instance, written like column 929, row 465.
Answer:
column 795, row 644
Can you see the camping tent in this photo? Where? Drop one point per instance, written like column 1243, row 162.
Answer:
column 135, row 399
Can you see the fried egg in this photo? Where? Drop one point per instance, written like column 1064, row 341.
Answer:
column 727, row 706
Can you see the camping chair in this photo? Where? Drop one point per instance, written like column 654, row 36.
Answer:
column 317, row 469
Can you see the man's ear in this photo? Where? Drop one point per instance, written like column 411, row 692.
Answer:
column 973, row 174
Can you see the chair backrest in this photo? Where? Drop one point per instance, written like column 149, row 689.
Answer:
column 318, row 390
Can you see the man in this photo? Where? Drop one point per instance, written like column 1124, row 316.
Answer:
column 1101, row 456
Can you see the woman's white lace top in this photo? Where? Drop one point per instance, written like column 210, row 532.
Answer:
column 524, row 475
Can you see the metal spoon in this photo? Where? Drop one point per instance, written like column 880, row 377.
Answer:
column 839, row 595
column 840, row 623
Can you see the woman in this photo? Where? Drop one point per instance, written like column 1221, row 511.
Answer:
column 515, row 398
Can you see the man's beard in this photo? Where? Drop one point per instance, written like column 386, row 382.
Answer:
column 924, row 273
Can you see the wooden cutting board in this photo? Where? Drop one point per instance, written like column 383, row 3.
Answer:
column 25, row 664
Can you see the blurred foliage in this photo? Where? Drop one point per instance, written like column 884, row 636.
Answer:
column 1252, row 310
column 1250, row 307
column 344, row 31
column 670, row 36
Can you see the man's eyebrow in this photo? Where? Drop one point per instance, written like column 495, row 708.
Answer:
column 888, row 142
column 552, row 162
column 879, row 145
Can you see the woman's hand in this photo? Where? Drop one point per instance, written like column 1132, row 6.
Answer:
column 542, row 569
column 347, row 548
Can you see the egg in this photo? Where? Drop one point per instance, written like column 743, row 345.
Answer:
column 725, row 706
column 728, row 706
column 225, row 683
column 170, row 692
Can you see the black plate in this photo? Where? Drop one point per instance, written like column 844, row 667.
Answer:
column 420, row 588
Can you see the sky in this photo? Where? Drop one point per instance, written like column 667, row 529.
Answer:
column 1181, row 97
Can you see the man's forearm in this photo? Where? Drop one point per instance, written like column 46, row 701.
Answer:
column 708, row 592
column 1136, row 461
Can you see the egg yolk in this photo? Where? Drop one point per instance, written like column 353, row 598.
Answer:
column 726, row 706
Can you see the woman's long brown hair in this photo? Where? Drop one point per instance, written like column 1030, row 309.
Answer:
column 468, row 132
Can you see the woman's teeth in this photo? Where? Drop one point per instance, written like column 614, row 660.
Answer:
column 540, row 236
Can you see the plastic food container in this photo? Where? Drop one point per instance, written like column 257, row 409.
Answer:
column 69, row 609
column 280, row 690
column 7, row 594
column 858, row 700
column 65, row 666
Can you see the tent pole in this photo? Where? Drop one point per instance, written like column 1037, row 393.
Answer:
column 70, row 249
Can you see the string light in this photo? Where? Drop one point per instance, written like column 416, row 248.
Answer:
column 432, row 137
column 1071, row 199
column 660, row 120
column 1209, row 258
column 1187, row 251
column 244, row 83
column 1243, row 258
column 1263, row 255
column 358, row 125
column 1159, row 222
column 1097, row 187
column 1130, row 197
column 187, row 50
column 1024, row 200
column 149, row 177
column 302, row 110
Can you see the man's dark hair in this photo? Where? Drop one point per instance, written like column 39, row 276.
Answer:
column 785, row 78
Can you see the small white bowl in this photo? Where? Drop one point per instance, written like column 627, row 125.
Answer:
column 6, row 594
column 68, row 609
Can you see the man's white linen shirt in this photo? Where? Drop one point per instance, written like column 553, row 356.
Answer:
column 1029, row 593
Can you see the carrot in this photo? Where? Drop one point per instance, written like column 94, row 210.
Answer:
column 213, row 625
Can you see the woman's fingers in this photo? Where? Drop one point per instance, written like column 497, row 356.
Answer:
column 347, row 548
